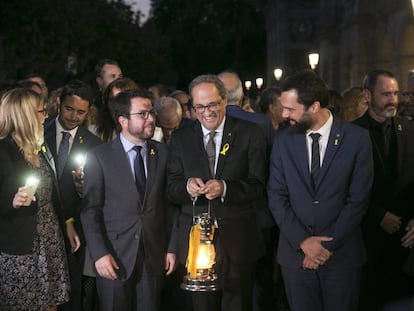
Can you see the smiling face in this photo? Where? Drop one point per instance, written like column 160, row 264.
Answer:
column 205, row 94
column 73, row 111
column 299, row 118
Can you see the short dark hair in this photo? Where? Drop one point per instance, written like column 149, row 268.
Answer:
column 309, row 86
column 268, row 97
column 209, row 78
column 78, row 88
column 101, row 63
column 121, row 103
column 27, row 84
column 370, row 80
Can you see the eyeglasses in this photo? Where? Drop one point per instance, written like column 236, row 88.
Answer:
column 214, row 106
column 408, row 94
column 145, row 114
column 44, row 112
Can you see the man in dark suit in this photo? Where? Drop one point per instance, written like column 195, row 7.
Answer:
column 124, row 215
column 320, row 179
column 264, row 285
column 229, row 176
column 389, row 224
column 75, row 100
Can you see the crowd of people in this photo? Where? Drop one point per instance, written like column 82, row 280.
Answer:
column 307, row 190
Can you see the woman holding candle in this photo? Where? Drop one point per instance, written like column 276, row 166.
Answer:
column 33, row 267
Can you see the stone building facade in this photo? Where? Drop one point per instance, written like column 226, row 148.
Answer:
column 351, row 36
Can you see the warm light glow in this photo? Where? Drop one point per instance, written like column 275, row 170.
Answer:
column 412, row 6
column 31, row 181
column 80, row 160
column 313, row 60
column 205, row 256
column 279, row 72
column 248, row 84
column 259, row 82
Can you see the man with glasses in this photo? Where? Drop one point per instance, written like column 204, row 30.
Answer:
column 124, row 215
column 220, row 164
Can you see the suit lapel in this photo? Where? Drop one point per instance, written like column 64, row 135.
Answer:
column 198, row 151
column 152, row 160
column 334, row 143
column 398, row 127
column 300, row 154
column 50, row 137
column 47, row 155
column 226, row 145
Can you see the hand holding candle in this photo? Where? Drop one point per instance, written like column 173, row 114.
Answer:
column 25, row 194
column 78, row 174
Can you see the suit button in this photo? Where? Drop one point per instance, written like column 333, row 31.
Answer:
column 316, row 202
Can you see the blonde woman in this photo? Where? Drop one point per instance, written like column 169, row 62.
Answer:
column 33, row 267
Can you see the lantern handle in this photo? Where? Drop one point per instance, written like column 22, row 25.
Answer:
column 194, row 200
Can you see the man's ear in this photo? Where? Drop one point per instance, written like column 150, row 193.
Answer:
column 367, row 95
column 99, row 81
column 315, row 107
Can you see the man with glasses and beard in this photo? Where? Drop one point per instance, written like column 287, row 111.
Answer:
column 319, row 184
column 388, row 227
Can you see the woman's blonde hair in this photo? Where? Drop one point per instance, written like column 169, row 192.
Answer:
column 19, row 119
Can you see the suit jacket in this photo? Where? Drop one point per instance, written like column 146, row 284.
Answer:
column 242, row 165
column 82, row 142
column 113, row 220
column 334, row 208
column 383, row 198
column 18, row 225
column 265, row 124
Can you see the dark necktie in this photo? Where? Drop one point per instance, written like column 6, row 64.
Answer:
column 315, row 163
column 139, row 170
column 211, row 151
column 63, row 152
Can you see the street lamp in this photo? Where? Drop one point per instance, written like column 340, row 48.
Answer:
column 259, row 83
column 314, row 59
column 279, row 72
column 248, row 85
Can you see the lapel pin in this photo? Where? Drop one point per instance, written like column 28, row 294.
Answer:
column 152, row 152
column 80, row 139
column 226, row 147
column 43, row 149
column 399, row 127
column 336, row 141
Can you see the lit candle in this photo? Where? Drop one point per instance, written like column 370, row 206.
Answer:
column 80, row 161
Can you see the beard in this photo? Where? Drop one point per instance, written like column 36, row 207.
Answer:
column 302, row 125
column 385, row 112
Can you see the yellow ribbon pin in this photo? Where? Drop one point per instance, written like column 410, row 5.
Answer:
column 43, row 149
column 399, row 127
column 152, row 152
column 226, row 147
column 80, row 139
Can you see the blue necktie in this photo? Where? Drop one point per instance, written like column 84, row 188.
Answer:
column 139, row 170
column 316, row 160
column 63, row 152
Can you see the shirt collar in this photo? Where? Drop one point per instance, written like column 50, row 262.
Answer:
column 325, row 129
column 127, row 145
column 219, row 129
column 60, row 129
